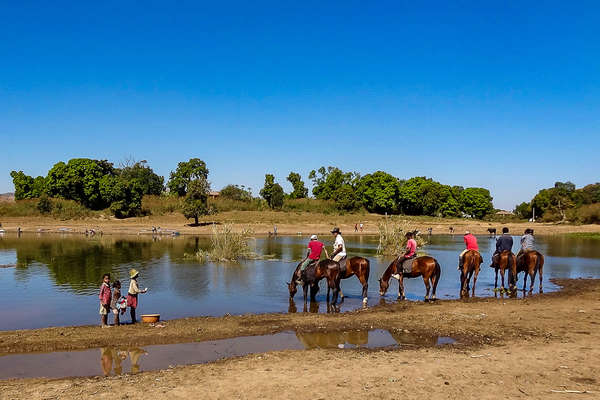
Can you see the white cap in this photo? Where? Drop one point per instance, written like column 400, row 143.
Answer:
column 313, row 237
column 467, row 232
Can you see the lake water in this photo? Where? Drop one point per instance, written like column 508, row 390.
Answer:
column 56, row 278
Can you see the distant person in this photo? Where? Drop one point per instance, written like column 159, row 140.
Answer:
column 104, row 297
column 361, row 226
column 274, row 230
column 315, row 248
column 355, row 227
column 451, row 229
column 470, row 244
column 411, row 251
column 133, row 292
column 504, row 242
column 429, row 231
column 339, row 247
column 527, row 243
column 116, row 303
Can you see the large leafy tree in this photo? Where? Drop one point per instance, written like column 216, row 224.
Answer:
column 379, row 192
column 300, row 191
column 235, row 192
column 196, row 199
column 186, row 172
column 477, row 202
column 272, row 192
column 140, row 171
column 327, row 180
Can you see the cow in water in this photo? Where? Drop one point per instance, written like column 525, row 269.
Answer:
column 451, row 229
column 492, row 232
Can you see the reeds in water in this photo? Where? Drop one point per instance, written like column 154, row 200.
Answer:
column 392, row 239
column 226, row 245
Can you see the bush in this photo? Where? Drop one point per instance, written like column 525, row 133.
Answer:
column 392, row 239
column 44, row 205
column 587, row 214
column 226, row 245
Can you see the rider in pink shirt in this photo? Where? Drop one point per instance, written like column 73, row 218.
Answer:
column 471, row 244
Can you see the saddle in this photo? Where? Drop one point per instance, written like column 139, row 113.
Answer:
column 407, row 265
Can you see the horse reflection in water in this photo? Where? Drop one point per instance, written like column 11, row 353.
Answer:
column 312, row 307
column 324, row 340
column 108, row 355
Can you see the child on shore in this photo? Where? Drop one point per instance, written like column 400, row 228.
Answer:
column 132, row 293
column 116, row 302
column 105, row 297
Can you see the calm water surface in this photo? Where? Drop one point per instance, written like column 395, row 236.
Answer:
column 56, row 278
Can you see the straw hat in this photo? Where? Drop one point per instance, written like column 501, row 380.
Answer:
column 133, row 273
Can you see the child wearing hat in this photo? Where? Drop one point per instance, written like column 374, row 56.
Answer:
column 132, row 293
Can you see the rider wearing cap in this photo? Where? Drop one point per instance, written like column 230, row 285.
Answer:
column 471, row 244
column 315, row 247
column 339, row 247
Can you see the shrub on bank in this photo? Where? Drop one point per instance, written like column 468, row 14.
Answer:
column 57, row 208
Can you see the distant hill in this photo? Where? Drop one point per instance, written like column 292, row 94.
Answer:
column 9, row 197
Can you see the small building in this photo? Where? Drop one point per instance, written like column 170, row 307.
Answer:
column 213, row 194
column 504, row 212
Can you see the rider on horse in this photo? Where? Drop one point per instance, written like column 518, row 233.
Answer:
column 411, row 251
column 471, row 244
column 339, row 247
column 527, row 243
column 503, row 243
column 315, row 247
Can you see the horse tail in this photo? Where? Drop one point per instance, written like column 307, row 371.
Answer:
column 437, row 272
column 538, row 260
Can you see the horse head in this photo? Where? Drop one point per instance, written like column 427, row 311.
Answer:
column 292, row 288
column 383, row 286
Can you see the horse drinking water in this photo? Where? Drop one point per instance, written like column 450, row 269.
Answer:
column 424, row 266
column 328, row 269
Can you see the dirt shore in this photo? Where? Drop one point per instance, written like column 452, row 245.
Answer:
column 288, row 223
column 516, row 348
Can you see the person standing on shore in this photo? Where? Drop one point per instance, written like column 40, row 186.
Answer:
column 104, row 297
column 132, row 293
column 115, row 301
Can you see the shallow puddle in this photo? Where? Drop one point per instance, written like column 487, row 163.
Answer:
column 119, row 360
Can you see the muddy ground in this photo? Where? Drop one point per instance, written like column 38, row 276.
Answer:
column 538, row 347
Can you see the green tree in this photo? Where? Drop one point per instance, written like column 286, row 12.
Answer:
column 272, row 192
column 345, row 198
column 196, row 199
column 23, row 185
column 149, row 182
column 235, row 192
column 329, row 180
column 379, row 192
column 477, row 202
column 186, row 172
column 523, row 210
column 300, row 191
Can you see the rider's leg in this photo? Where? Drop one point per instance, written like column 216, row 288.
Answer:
column 460, row 259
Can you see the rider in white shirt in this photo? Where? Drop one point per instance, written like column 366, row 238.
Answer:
column 339, row 247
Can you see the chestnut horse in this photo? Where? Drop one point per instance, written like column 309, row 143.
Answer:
column 530, row 262
column 506, row 261
column 360, row 267
column 471, row 262
column 424, row 266
column 328, row 269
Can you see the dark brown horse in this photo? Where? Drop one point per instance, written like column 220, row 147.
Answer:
column 471, row 263
column 424, row 266
column 530, row 262
column 359, row 267
column 503, row 262
column 328, row 269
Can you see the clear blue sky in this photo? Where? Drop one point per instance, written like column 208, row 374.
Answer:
column 504, row 95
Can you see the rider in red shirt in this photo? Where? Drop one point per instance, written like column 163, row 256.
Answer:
column 471, row 244
column 313, row 255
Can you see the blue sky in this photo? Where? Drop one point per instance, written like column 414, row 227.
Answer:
column 504, row 95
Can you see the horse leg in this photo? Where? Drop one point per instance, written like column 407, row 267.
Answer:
column 502, row 275
column 305, row 291
column 365, row 288
column 469, row 275
column 427, row 287
column 532, row 280
column 474, row 281
column 328, row 290
column 401, row 288
column 314, row 288
column 525, row 280
column 462, row 283
column 541, row 270
column 496, row 282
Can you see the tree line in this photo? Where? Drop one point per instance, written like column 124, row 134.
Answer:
column 564, row 202
column 98, row 185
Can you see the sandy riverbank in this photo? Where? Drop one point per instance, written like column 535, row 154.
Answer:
column 517, row 348
column 287, row 223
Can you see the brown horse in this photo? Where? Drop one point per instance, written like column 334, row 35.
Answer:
column 505, row 261
column 359, row 267
column 328, row 269
column 471, row 262
column 424, row 266
column 530, row 262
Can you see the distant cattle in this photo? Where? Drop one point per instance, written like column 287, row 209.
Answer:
column 492, row 231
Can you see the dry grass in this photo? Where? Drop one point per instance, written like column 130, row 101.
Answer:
column 392, row 239
column 226, row 245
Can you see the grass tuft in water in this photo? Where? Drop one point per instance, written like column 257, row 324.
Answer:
column 226, row 245
column 392, row 241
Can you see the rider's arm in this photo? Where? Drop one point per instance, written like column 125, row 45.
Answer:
column 339, row 248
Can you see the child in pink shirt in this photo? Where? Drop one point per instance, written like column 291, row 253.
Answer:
column 105, row 297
